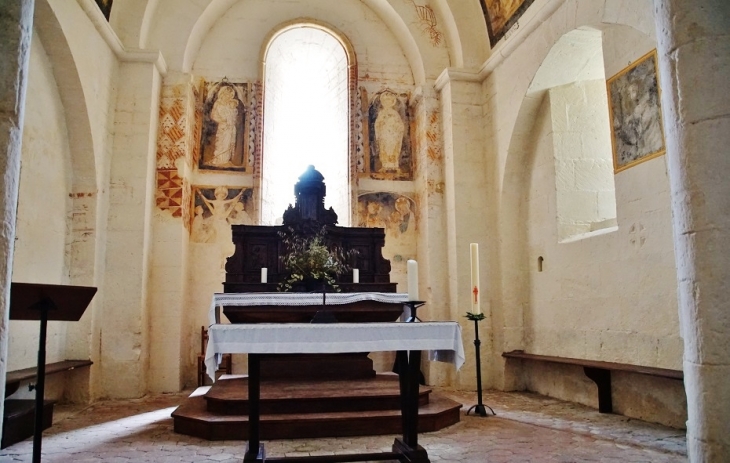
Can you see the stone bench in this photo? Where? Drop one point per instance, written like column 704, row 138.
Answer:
column 18, row 416
column 599, row 372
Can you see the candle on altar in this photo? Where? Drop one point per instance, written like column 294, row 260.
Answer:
column 356, row 275
column 264, row 275
column 474, row 296
column 412, row 280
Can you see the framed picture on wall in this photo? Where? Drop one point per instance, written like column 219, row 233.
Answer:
column 501, row 15
column 106, row 7
column 637, row 134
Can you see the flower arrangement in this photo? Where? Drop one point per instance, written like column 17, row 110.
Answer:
column 310, row 261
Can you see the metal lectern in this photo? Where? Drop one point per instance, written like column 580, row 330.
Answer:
column 30, row 301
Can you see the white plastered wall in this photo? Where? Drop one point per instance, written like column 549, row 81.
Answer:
column 610, row 297
column 73, row 82
column 44, row 206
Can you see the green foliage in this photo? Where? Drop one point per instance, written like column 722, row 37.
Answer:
column 475, row 317
column 309, row 258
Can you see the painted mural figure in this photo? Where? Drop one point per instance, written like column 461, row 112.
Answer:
column 200, row 230
column 225, row 114
column 640, row 129
column 239, row 216
column 389, row 130
column 400, row 218
column 372, row 215
column 220, row 209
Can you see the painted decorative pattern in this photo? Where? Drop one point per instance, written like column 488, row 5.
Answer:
column 170, row 191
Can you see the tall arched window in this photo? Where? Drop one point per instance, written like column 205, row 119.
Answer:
column 306, row 119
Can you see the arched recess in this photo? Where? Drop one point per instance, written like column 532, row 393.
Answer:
column 84, row 172
column 81, row 232
column 352, row 78
column 519, row 159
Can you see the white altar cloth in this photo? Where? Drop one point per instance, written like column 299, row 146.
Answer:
column 443, row 339
column 297, row 299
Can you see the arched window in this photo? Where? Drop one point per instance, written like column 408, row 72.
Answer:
column 572, row 76
column 306, row 119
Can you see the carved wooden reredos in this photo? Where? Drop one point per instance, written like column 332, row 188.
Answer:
column 258, row 246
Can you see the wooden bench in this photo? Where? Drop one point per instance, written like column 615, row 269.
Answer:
column 599, row 372
column 18, row 416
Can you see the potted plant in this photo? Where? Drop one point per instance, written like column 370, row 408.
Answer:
column 312, row 265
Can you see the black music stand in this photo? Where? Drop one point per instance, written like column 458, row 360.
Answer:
column 30, row 301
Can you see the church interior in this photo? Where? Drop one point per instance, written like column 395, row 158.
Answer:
column 581, row 144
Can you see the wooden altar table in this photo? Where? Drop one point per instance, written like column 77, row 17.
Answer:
column 441, row 339
column 303, row 301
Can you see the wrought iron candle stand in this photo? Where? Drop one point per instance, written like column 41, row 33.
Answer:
column 413, row 305
column 479, row 408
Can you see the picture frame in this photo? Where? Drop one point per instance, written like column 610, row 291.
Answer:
column 635, row 116
column 501, row 15
column 106, row 7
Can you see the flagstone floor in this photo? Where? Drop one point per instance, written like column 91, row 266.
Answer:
column 527, row 428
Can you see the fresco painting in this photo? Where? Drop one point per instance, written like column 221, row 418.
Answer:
column 390, row 137
column 501, row 15
column 635, row 113
column 224, row 132
column 215, row 209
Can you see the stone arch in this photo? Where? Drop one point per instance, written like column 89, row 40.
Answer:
column 519, row 157
column 84, row 173
column 382, row 8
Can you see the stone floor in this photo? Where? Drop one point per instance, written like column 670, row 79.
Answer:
column 527, row 428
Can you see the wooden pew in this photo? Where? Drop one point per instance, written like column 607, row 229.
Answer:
column 599, row 372
column 18, row 414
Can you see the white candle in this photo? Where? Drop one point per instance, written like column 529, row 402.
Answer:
column 264, row 275
column 412, row 280
column 356, row 275
column 474, row 296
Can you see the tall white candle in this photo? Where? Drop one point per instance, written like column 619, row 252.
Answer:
column 264, row 275
column 475, row 307
column 356, row 275
column 412, row 280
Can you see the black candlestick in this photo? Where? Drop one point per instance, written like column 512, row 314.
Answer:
column 479, row 408
column 413, row 305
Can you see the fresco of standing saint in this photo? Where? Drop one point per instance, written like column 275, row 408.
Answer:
column 223, row 132
column 390, row 147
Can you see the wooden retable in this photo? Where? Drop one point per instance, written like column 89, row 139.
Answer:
column 442, row 339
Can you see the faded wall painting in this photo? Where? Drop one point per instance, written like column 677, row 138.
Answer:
column 225, row 131
column 169, row 195
column 390, row 137
column 396, row 213
column 501, row 15
column 427, row 18
column 215, row 209
column 635, row 113
column 391, row 211
column 106, row 7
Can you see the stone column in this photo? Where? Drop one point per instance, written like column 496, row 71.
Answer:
column 467, row 208
column 125, row 313
column 694, row 59
column 16, row 27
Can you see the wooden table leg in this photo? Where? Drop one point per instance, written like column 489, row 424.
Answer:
column 410, row 373
column 254, row 448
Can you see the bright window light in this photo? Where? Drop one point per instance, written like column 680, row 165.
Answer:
column 306, row 120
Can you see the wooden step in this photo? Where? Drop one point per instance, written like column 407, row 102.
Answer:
column 229, row 396
column 194, row 419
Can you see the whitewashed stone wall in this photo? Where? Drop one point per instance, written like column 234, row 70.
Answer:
column 609, row 297
column 44, row 207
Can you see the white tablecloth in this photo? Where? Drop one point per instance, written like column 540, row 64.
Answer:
column 297, row 299
column 443, row 339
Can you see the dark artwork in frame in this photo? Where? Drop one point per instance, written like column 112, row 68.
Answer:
column 105, row 6
column 501, row 15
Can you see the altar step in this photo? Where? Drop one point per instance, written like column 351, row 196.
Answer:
column 309, row 409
